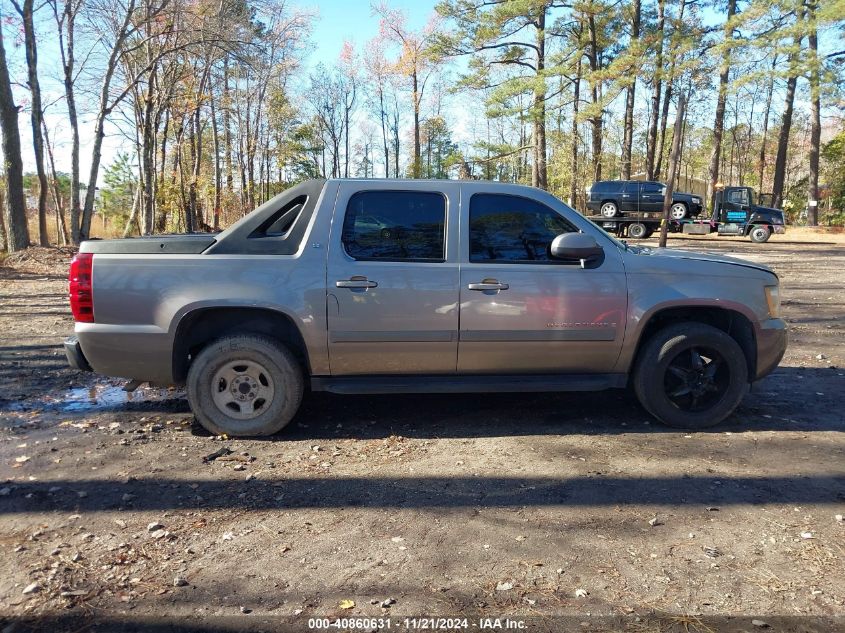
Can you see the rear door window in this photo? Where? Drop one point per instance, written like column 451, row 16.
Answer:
column 395, row 226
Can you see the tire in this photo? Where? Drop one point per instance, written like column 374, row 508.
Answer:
column 245, row 385
column 678, row 211
column 609, row 209
column 760, row 234
column 686, row 393
column 637, row 231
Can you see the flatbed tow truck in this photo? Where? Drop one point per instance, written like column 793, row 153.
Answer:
column 734, row 213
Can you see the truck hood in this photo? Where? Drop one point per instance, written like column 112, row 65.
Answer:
column 671, row 253
column 769, row 210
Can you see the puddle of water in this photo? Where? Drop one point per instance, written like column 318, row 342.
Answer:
column 110, row 396
column 98, row 397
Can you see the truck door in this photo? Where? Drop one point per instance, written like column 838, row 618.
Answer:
column 392, row 285
column 651, row 197
column 521, row 311
column 735, row 205
column 628, row 200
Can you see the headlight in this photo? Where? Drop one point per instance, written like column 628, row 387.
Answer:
column 773, row 300
column 696, row 200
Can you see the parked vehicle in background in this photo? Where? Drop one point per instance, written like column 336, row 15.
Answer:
column 421, row 286
column 734, row 213
column 613, row 198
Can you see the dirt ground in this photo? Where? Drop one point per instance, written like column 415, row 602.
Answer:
column 563, row 512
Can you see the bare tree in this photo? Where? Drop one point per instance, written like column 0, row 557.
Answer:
column 674, row 159
column 779, row 176
column 36, row 112
column 415, row 62
column 815, row 114
column 657, row 87
column 66, row 31
column 628, row 133
column 719, row 122
column 16, row 229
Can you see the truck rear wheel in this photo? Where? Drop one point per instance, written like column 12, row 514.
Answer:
column 245, row 385
column 760, row 234
column 690, row 375
column 637, row 230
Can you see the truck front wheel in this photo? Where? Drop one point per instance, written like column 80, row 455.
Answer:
column 244, row 385
column 678, row 211
column 760, row 234
column 690, row 375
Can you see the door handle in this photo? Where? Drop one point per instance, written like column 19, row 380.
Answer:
column 356, row 282
column 488, row 284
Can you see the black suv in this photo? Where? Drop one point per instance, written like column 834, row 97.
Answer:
column 612, row 198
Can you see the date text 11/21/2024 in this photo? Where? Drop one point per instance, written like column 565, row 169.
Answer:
column 418, row 624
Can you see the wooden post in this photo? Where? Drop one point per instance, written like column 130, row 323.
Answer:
column 674, row 159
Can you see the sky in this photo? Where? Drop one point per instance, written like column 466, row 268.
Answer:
column 335, row 21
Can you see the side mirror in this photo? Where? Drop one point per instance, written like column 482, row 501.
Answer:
column 575, row 246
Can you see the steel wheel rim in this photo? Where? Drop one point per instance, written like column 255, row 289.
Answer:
column 678, row 212
column 760, row 233
column 608, row 210
column 242, row 389
column 637, row 231
column 696, row 379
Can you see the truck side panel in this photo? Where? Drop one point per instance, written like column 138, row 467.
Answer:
column 139, row 300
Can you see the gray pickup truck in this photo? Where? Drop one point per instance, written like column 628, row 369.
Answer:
column 409, row 286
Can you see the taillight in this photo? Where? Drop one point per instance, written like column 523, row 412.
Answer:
column 81, row 287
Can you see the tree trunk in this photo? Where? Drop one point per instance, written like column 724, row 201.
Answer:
column 61, row 225
column 383, row 117
column 227, row 131
column 596, row 119
column 104, row 110
column 667, row 97
column 815, row 117
column 779, row 176
column 2, row 219
column 761, row 167
column 539, row 171
column 215, row 137
column 628, row 134
column 674, row 158
column 35, row 117
column 651, row 141
column 664, row 117
column 16, row 229
column 66, row 49
column 133, row 214
column 719, row 122
column 191, row 208
column 415, row 167
column 573, row 148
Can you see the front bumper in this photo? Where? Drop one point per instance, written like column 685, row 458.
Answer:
column 778, row 228
column 772, row 338
column 75, row 357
